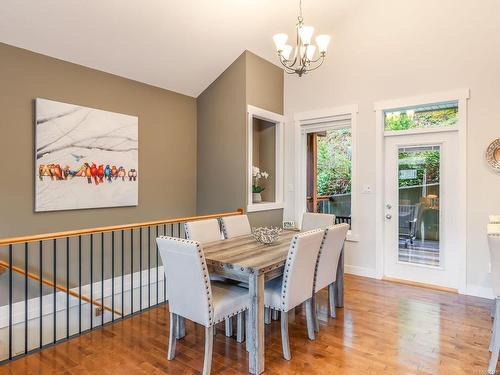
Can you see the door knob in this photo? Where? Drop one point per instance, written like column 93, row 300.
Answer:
column 388, row 216
column 388, row 205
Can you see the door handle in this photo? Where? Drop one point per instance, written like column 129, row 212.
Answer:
column 388, row 205
column 388, row 216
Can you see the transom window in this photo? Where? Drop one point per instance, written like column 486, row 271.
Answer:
column 441, row 115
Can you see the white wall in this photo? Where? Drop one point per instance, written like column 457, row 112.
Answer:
column 387, row 49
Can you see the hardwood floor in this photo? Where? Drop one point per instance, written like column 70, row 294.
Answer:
column 384, row 328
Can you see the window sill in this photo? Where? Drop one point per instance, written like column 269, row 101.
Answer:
column 265, row 206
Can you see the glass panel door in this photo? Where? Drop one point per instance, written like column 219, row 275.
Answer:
column 418, row 204
column 421, row 208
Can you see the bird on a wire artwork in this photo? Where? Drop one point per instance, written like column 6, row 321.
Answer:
column 84, row 157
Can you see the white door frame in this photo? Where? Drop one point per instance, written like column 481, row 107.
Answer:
column 461, row 96
column 304, row 120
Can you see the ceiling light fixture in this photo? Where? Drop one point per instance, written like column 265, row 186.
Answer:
column 303, row 59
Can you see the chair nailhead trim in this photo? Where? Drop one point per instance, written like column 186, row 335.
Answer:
column 291, row 256
column 204, row 270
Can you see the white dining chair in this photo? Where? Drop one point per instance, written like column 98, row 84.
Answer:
column 494, row 219
column 234, row 226
column 191, row 295
column 296, row 285
column 311, row 220
column 494, row 246
column 326, row 268
column 205, row 231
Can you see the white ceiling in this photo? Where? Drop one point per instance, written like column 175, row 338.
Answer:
column 181, row 46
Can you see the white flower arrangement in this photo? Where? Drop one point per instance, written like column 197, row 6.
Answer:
column 257, row 174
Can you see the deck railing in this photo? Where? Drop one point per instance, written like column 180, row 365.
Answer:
column 60, row 285
column 339, row 205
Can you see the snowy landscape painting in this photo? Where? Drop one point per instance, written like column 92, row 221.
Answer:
column 84, row 157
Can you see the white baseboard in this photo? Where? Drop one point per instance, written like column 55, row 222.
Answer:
column 360, row 271
column 479, row 291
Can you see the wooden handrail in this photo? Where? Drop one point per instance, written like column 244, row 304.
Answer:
column 83, row 232
column 49, row 283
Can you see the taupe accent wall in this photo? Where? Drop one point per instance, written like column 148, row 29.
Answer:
column 222, row 118
column 167, row 142
column 221, row 133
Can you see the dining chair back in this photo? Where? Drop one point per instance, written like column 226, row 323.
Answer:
column 312, row 220
column 329, row 255
column 233, row 226
column 494, row 246
column 203, row 231
column 298, row 277
column 188, row 284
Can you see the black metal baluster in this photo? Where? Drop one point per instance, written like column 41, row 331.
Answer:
column 102, row 278
column 140, row 269
column 149, row 266
column 91, row 278
column 55, row 290
column 157, row 266
column 112, row 276
column 26, row 298
column 40, row 285
column 131, row 271
column 179, row 230
column 79, row 284
column 10, row 301
column 123, row 275
column 67, row 287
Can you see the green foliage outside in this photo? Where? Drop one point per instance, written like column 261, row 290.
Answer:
column 424, row 162
column 334, row 162
column 421, row 120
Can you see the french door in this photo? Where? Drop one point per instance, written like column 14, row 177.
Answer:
column 421, row 208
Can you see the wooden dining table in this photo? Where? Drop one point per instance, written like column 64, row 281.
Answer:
column 246, row 260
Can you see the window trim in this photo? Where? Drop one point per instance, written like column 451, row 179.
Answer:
column 279, row 120
column 312, row 120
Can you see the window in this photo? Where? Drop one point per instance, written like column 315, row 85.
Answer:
column 328, row 170
column 442, row 115
column 265, row 160
column 333, row 172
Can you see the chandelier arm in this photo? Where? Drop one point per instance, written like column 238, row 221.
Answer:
column 316, row 67
column 283, row 62
column 288, row 69
column 322, row 57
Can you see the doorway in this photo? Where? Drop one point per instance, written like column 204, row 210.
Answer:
column 421, row 197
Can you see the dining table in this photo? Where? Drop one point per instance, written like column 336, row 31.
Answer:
column 246, row 260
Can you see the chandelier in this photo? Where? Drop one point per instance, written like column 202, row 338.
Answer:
column 304, row 58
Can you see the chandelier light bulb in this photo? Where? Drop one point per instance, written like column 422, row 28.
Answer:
column 322, row 41
column 287, row 50
column 280, row 41
column 306, row 33
column 311, row 48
